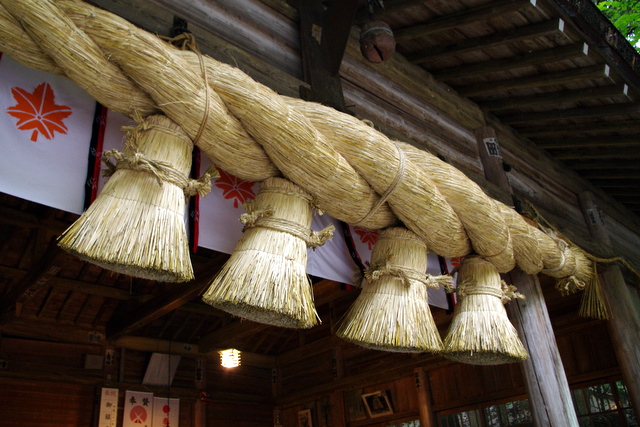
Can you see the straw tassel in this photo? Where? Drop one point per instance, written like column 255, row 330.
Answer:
column 136, row 225
column 265, row 278
column 480, row 332
column 592, row 304
column 392, row 312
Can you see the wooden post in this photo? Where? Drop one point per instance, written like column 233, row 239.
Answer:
column 624, row 319
column 427, row 416
column 200, row 410
column 545, row 380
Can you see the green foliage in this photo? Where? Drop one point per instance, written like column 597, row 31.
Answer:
column 625, row 16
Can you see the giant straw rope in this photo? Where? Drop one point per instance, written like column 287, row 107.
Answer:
column 252, row 132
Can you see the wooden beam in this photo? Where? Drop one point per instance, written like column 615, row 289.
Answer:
column 612, row 173
column 592, row 128
column 390, row 7
column 38, row 277
column 551, row 27
column 617, row 184
column 589, row 142
column 623, row 109
column 178, row 295
column 632, row 152
column 455, row 20
column 532, row 82
column 338, row 19
column 556, row 98
column 533, row 59
column 230, row 335
column 425, row 399
column 326, row 87
column 624, row 320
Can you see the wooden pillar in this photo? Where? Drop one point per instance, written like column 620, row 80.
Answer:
column 427, row 416
column 200, row 410
column 624, row 319
column 545, row 379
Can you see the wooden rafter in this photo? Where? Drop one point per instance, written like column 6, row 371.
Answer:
column 536, row 81
column 607, row 141
column 622, row 109
column 554, row 26
column 518, row 61
column 555, row 98
column 592, row 128
column 464, row 17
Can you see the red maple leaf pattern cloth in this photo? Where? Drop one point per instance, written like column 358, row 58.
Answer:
column 38, row 111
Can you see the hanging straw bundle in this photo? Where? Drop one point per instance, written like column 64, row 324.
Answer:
column 265, row 278
column 136, row 225
column 480, row 332
column 592, row 303
column 392, row 311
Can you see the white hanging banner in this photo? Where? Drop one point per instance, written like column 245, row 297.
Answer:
column 45, row 133
column 108, row 407
column 166, row 412
column 138, row 409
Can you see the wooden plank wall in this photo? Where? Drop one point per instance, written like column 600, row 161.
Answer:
column 586, row 354
column 28, row 403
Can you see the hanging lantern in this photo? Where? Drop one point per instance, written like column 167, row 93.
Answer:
column 377, row 43
column 230, row 358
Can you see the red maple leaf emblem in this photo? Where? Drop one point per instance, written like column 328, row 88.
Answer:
column 38, row 111
column 367, row 236
column 235, row 188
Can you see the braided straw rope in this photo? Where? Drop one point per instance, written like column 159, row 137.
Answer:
column 253, row 133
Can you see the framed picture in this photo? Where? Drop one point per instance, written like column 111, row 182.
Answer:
column 377, row 404
column 304, row 418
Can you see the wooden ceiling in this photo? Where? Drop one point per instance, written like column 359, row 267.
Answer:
column 567, row 82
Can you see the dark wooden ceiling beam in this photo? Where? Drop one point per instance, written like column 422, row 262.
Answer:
column 178, row 295
column 390, row 7
column 43, row 270
column 592, row 128
column 573, row 113
column 455, row 20
column 609, row 141
column 617, row 184
column 230, row 335
column 555, row 98
column 597, row 153
column 554, row 26
column 611, row 173
column 532, row 82
column 518, row 61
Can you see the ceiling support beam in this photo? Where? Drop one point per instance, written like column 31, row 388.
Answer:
column 455, row 20
column 593, row 153
column 537, row 81
column 43, row 271
column 612, row 174
column 592, row 128
column 178, row 295
column 588, row 142
column 556, row 98
column 323, row 39
column 518, row 61
column 623, row 109
column 546, row 28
